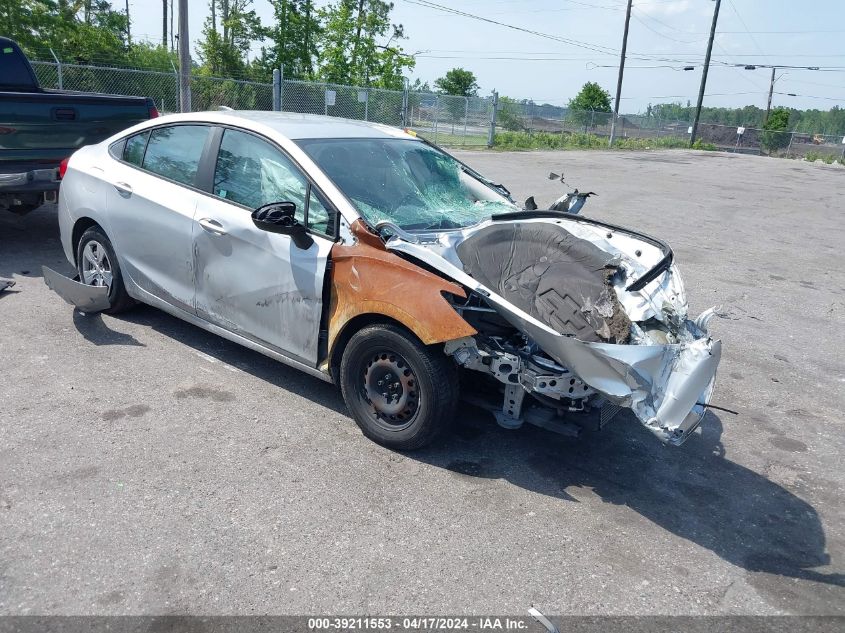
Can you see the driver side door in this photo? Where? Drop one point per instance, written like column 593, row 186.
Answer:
column 253, row 282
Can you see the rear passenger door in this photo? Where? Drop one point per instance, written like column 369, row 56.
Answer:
column 151, row 208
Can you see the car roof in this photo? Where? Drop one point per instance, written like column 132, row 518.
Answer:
column 295, row 126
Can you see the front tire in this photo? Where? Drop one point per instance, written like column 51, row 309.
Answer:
column 97, row 265
column 401, row 393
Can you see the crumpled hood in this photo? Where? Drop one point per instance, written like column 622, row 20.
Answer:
column 665, row 374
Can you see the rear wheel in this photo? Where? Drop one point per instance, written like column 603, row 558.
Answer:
column 401, row 393
column 97, row 265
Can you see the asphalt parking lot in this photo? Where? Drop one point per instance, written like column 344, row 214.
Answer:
column 147, row 466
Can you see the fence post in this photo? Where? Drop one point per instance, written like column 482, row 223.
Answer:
column 277, row 90
column 58, row 69
column 466, row 115
column 789, row 148
column 436, row 115
column 367, row 103
column 405, row 100
column 281, row 87
column 491, row 136
column 175, row 85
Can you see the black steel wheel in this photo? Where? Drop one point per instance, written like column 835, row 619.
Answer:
column 400, row 392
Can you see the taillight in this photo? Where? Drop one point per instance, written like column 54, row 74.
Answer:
column 153, row 112
column 63, row 167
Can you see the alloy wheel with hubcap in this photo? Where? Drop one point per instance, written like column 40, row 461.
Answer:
column 96, row 266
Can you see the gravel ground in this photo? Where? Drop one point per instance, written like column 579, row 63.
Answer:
column 149, row 467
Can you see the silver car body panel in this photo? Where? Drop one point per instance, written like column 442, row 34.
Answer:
column 86, row 298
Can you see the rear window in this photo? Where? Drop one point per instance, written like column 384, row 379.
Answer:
column 14, row 71
column 134, row 150
column 174, row 152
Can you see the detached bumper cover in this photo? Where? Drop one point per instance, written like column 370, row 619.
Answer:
column 666, row 386
column 86, row 298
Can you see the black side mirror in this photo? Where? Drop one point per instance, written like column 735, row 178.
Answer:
column 279, row 217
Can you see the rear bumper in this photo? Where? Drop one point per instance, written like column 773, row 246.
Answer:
column 86, row 298
column 32, row 181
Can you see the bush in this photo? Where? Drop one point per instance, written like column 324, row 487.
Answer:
column 578, row 140
column 775, row 135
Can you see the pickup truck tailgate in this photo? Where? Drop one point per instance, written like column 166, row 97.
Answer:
column 45, row 127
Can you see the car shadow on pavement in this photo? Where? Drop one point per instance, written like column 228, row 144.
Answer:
column 694, row 491
column 94, row 330
column 30, row 241
column 247, row 360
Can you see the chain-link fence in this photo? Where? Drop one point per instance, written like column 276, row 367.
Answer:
column 518, row 122
column 444, row 119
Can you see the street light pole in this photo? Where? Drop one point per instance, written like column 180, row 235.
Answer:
column 184, row 59
column 704, row 73
column 621, row 71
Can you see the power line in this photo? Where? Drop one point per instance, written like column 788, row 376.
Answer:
column 663, row 35
column 745, row 26
column 603, row 50
column 432, row 5
column 709, row 94
column 792, row 94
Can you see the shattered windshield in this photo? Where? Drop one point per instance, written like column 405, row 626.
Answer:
column 406, row 182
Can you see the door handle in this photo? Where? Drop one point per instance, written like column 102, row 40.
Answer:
column 212, row 226
column 123, row 188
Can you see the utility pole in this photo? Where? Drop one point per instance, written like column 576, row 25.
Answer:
column 164, row 23
column 771, row 90
column 621, row 71
column 184, row 59
column 704, row 73
column 128, row 25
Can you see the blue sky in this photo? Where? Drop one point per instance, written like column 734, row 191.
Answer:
column 523, row 65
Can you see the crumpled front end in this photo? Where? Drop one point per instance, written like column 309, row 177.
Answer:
column 577, row 315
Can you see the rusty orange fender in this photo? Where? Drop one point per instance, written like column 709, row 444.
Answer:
column 366, row 278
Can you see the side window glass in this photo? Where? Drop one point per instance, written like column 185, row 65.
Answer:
column 318, row 214
column 252, row 172
column 174, row 152
column 134, row 150
column 116, row 149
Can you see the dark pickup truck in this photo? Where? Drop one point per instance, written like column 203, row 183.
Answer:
column 40, row 128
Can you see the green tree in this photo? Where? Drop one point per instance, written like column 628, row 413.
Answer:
column 592, row 98
column 458, row 82
column 294, row 38
column 223, row 54
column 349, row 53
column 509, row 115
column 775, row 135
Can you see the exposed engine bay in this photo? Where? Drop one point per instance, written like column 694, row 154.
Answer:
column 574, row 315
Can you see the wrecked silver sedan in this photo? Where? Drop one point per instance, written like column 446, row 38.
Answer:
column 372, row 259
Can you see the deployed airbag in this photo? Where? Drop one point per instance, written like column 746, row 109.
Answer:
column 559, row 279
